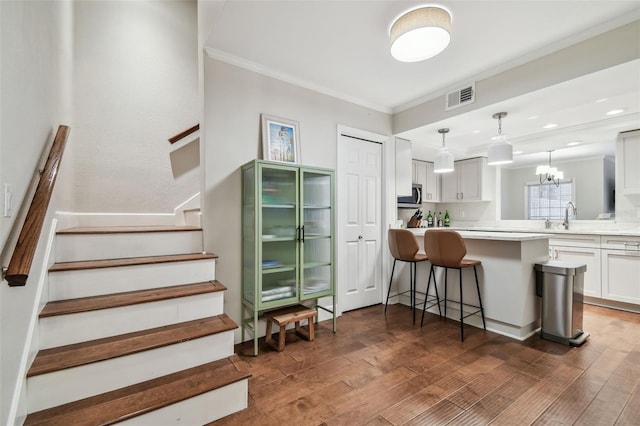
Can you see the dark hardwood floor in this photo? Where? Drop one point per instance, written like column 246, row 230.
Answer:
column 383, row 370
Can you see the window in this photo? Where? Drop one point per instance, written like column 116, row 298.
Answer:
column 548, row 201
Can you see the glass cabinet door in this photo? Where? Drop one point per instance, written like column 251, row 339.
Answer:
column 278, row 235
column 316, row 239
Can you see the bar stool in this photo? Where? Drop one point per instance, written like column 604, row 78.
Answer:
column 404, row 247
column 447, row 249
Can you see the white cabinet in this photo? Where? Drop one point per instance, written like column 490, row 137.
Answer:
column 403, row 167
column 431, row 192
column 422, row 173
column 580, row 249
column 419, row 172
column 627, row 160
column 621, row 269
column 467, row 181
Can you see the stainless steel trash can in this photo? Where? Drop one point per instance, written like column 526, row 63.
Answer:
column 560, row 284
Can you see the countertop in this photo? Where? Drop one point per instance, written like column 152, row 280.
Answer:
column 488, row 235
column 616, row 232
column 560, row 231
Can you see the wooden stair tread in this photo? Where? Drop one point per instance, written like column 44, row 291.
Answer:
column 129, row 261
column 128, row 402
column 94, row 303
column 68, row 356
column 125, row 230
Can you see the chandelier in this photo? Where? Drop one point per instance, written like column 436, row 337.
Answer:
column 549, row 174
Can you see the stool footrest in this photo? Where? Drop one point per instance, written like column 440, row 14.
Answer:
column 477, row 311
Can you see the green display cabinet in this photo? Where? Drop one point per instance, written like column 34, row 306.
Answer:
column 288, row 222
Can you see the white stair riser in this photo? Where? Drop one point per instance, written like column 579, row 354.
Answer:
column 193, row 218
column 75, row 328
column 199, row 410
column 75, row 247
column 60, row 387
column 93, row 282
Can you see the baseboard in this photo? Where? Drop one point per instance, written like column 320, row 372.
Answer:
column 612, row 304
column 184, row 213
column 18, row 408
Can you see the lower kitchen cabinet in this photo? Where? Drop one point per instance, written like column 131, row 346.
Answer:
column 583, row 249
column 621, row 269
column 584, row 255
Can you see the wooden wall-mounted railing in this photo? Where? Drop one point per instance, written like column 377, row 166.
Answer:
column 184, row 134
column 20, row 263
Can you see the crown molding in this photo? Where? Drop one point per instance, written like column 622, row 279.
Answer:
column 287, row 78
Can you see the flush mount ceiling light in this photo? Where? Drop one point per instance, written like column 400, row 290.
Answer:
column 549, row 174
column 500, row 151
column 444, row 159
column 420, row 34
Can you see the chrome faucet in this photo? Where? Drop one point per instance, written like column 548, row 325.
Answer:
column 566, row 214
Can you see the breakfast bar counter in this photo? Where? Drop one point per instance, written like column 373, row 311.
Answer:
column 506, row 276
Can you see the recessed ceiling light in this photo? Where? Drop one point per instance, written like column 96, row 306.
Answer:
column 533, row 117
column 518, row 152
column 574, row 143
column 476, row 131
column 615, row 111
column 550, row 126
column 602, row 100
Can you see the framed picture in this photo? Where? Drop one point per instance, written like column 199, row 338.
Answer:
column 280, row 139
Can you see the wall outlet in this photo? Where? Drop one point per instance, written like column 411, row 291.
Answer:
column 8, row 200
column 461, row 214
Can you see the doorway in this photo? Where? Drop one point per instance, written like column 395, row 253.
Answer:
column 360, row 217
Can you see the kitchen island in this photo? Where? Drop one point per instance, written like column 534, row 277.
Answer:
column 506, row 276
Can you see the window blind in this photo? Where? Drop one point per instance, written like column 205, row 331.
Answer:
column 548, row 201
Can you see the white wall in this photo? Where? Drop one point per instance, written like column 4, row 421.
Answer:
column 34, row 99
column 234, row 99
column 135, row 85
column 560, row 66
column 124, row 76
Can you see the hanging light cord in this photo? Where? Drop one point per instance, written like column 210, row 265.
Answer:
column 443, row 132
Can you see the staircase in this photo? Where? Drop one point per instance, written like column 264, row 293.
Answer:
column 134, row 332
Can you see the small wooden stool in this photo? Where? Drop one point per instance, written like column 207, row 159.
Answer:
column 285, row 316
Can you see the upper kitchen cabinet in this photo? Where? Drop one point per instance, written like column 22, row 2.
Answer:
column 403, row 168
column 628, row 156
column 470, row 181
column 432, row 189
column 423, row 174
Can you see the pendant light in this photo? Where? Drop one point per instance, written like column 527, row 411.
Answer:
column 420, row 34
column 549, row 174
column 444, row 159
column 500, row 151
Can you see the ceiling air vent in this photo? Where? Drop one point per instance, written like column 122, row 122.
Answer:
column 459, row 97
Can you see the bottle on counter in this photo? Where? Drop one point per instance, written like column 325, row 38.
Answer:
column 447, row 219
column 429, row 220
column 440, row 221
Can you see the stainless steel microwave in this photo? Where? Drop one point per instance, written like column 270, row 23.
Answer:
column 414, row 201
